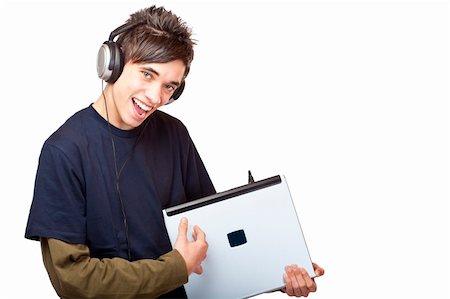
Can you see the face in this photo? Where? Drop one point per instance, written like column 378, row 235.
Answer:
column 141, row 89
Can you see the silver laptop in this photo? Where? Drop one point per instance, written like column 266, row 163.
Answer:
column 252, row 231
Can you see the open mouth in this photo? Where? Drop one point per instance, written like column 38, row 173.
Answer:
column 140, row 107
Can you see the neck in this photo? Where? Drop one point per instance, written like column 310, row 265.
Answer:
column 104, row 104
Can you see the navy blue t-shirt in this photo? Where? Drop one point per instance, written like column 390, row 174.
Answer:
column 76, row 199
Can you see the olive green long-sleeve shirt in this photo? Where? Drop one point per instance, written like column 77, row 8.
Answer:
column 74, row 274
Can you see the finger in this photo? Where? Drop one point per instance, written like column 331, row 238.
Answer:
column 182, row 228
column 198, row 234
column 318, row 270
column 198, row 270
column 194, row 234
column 288, row 284
column 296, row 282
column 310, row 284
column 303, row 280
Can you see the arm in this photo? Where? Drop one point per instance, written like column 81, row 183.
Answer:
column 74, row 274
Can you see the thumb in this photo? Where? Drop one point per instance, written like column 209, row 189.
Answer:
column 182, row 228
column 318, row 270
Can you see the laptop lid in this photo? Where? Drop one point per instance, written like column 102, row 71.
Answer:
column 252, row 231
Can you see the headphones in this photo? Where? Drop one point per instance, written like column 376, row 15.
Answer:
column 110, row 59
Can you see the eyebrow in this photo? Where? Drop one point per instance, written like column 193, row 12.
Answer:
column 152, row 70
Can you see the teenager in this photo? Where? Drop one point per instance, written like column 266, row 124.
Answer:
column 106, row 174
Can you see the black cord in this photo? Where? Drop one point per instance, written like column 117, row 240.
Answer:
column 118, row 172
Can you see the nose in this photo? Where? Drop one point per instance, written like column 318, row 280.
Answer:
column 153, row 94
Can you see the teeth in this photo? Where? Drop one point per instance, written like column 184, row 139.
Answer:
column 142, row 105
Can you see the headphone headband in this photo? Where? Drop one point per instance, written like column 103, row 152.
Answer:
column 123, row 28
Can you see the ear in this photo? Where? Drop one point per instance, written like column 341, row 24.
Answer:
column 177, row 93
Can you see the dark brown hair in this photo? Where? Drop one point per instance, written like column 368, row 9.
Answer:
column 162, row 37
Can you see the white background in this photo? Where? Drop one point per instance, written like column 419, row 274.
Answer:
column 348, row 99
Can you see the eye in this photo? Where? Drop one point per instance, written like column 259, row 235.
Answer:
column 147, row 75
column 170, row 88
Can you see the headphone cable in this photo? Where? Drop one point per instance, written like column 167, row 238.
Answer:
column 118, row 172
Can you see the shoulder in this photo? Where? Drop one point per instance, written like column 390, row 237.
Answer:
column 168, row 130
column 72, row 133
column 165, row 118
column 168, row 122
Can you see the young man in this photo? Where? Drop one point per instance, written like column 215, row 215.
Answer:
column 105, row 175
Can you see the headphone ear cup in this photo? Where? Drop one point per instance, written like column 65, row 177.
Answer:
column 110, row 62
column 103, row 61
column 177, row 93
column 117, row 64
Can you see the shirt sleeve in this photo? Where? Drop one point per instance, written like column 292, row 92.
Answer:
column 197, row 181
column 74, row 274
column 58, row 207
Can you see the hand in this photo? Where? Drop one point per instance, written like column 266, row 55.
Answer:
column 298, row 282
column 193, row 252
